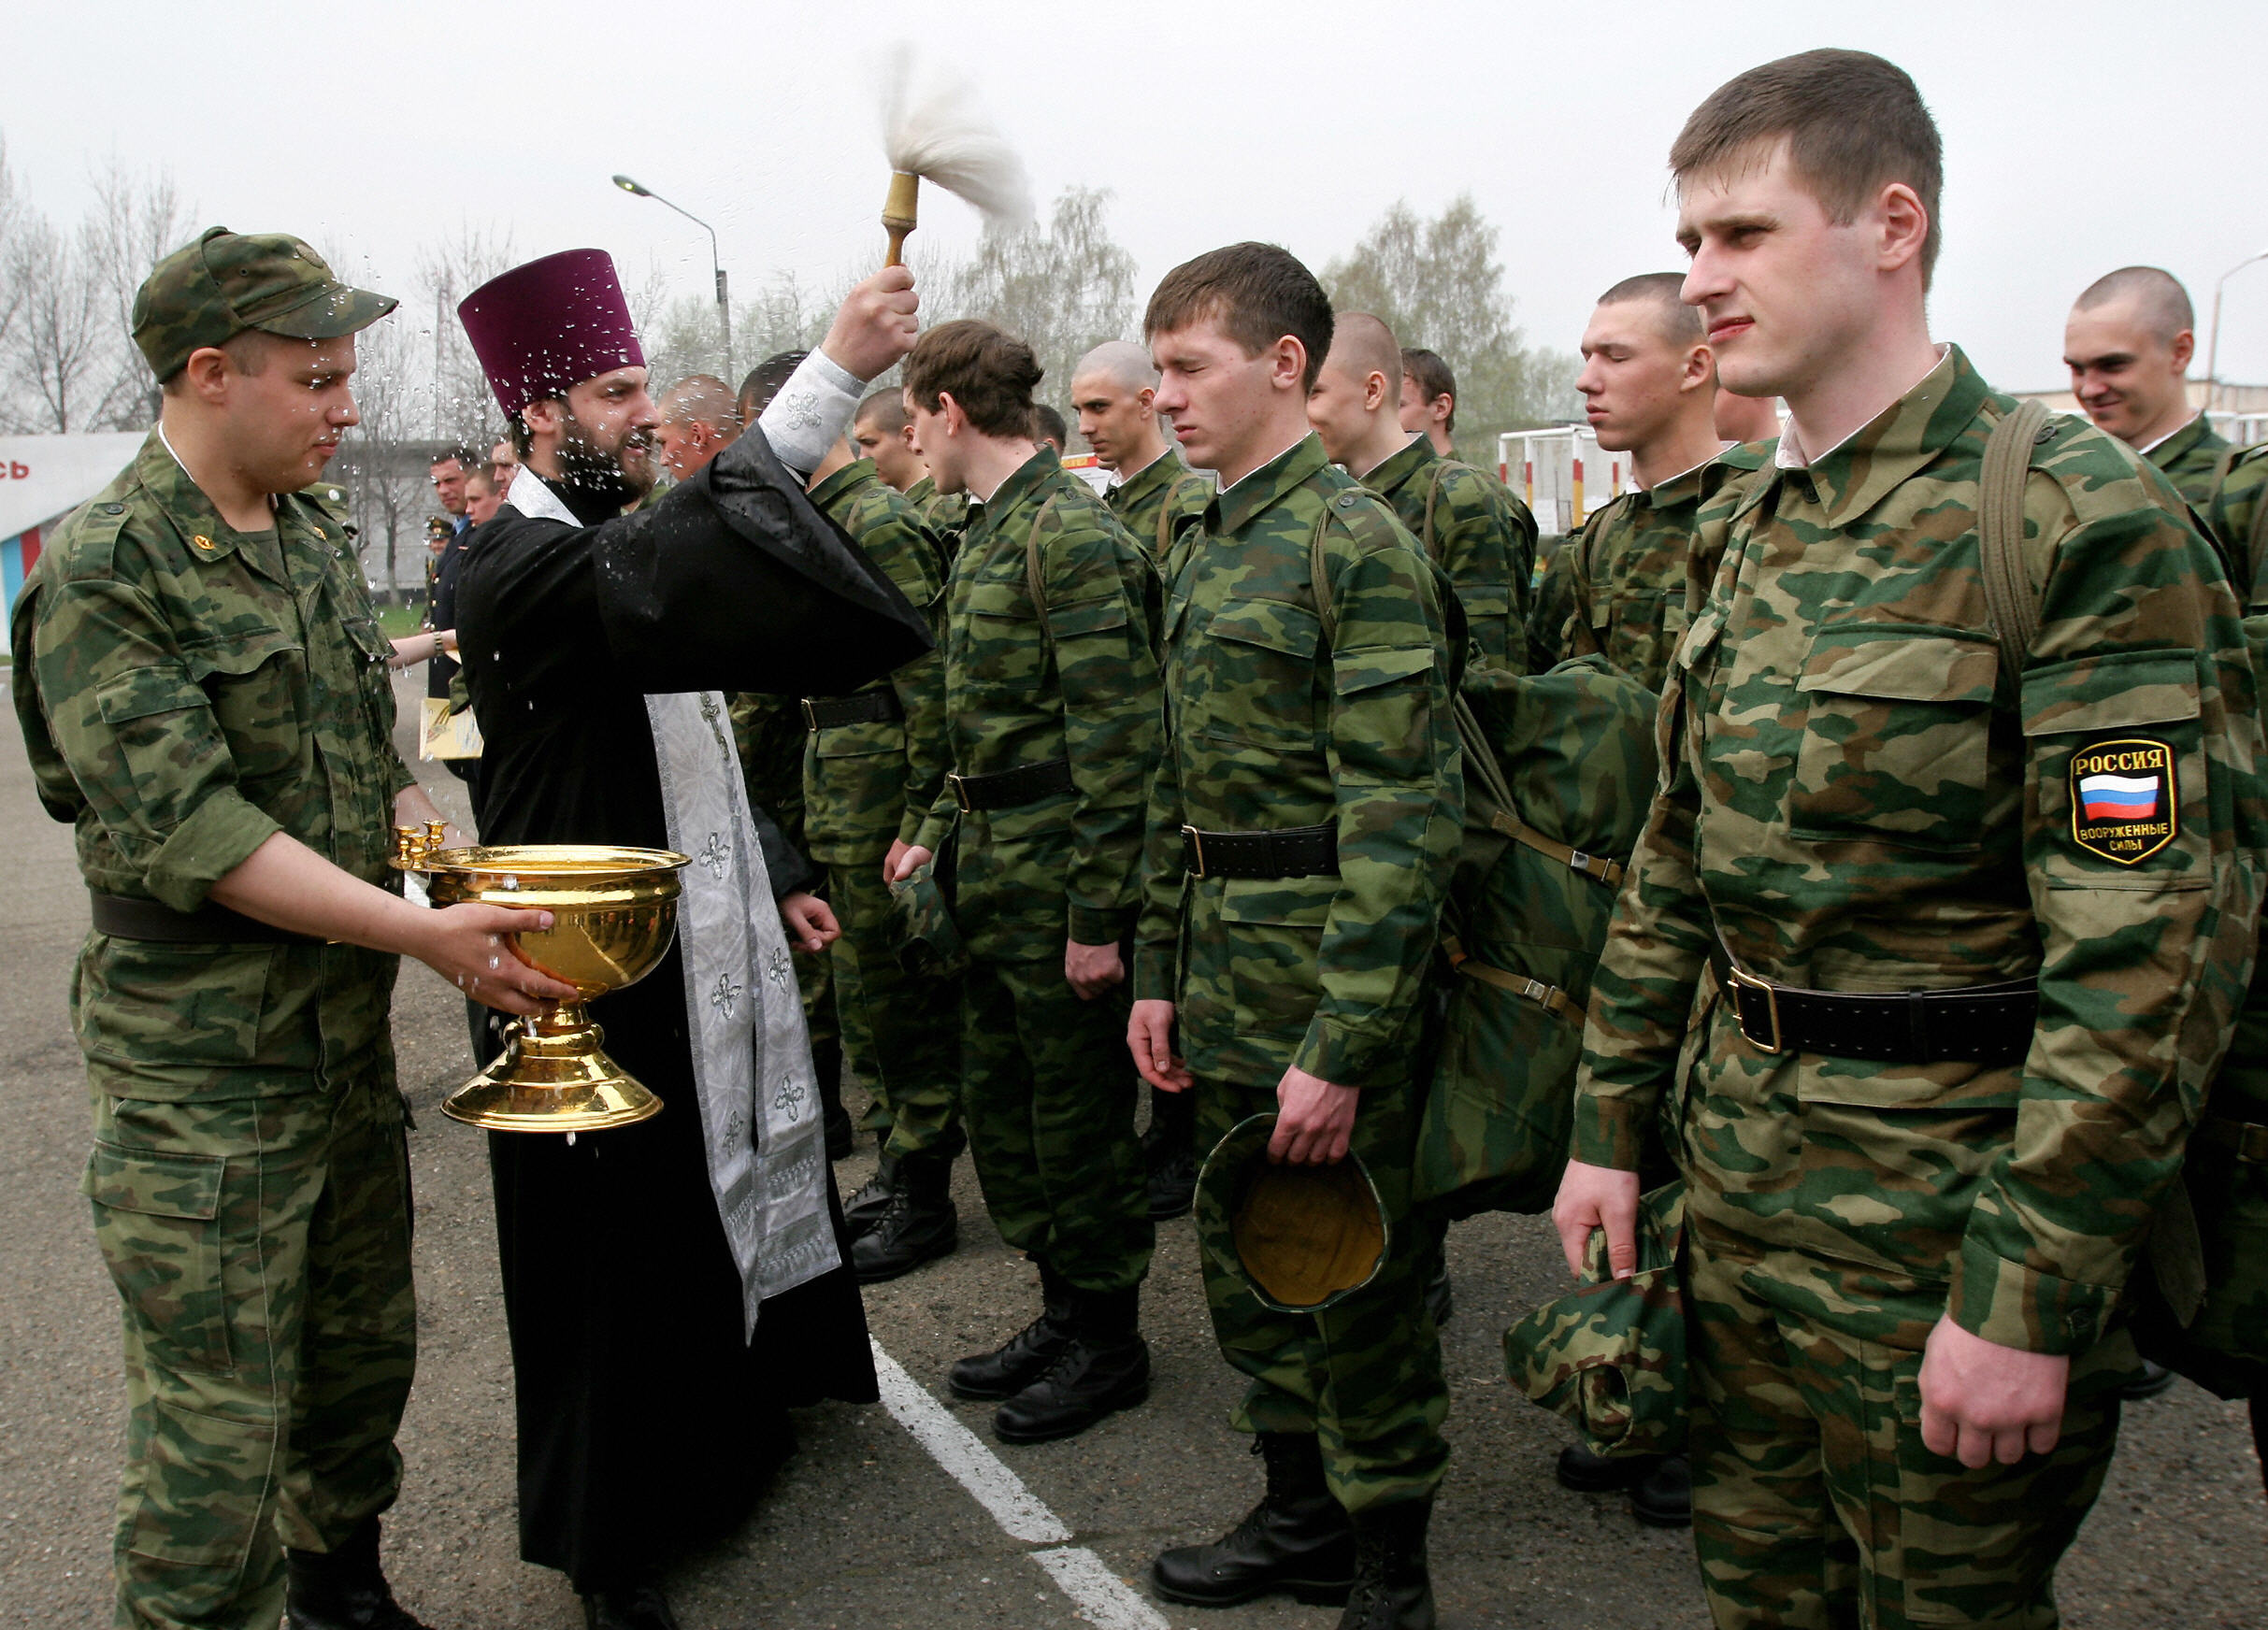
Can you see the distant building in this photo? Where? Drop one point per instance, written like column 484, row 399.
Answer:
column 42, row 480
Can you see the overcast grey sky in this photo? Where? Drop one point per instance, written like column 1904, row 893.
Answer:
column 2079, row 136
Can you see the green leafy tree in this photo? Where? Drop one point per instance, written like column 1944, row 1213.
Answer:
column 1063, row 288
column 1438, row 284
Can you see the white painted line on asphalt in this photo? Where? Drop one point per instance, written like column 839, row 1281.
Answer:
column 955, row 1448
column 1104, row 1599
column 1107, row 1600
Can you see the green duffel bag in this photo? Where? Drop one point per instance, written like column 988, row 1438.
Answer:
column 1559, row 772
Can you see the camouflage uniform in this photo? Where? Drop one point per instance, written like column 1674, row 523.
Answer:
column 2240, row 521
column 1618, row 586
column 866, row 785
column 1855, row 799
column 946, row 514
column 1159, row 502
column 769, row 733
column 1477, row 532
column 1270, row 727
column 2190, row 458
column 1048, row 1089
column 185, row 692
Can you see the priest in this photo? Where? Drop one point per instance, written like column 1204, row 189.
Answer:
column 671, row 1287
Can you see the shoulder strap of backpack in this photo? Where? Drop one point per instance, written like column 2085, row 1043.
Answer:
column 1597, row 867
column 1433, row 492
column 1034, row 580
column 2010, row 595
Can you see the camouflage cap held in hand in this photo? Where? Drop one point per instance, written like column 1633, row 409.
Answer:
column 1611, row 1356
column 227, row 284
column 1302, row 1237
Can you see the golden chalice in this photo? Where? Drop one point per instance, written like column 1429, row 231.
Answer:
column 613, row 917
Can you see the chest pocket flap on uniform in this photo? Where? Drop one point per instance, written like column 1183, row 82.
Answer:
column 1901, row 667
column 991, row 599
column 1088, row 617
column 1259, row 682
column 1276, row 626
column 1367, row 667
column 1897, row 737
column 2119, row 691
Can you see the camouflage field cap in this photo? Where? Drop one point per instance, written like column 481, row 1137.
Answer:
column 228, row 282
column 1611, row 1356
column 1302, row 1237
column 929, row 941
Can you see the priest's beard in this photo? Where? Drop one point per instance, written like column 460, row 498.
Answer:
column 617, row 475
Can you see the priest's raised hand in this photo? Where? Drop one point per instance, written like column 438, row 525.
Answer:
column 876, row 325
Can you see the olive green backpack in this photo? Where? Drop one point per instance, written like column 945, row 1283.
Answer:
column 1559, row 772
column 2205, row 1296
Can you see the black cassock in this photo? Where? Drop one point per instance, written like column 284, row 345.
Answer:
column 646, row 1424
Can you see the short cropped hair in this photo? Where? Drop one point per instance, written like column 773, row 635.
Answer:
column 465, row 458
column 1434, row 379
column 1047, row 424
column 247, row 352
column 1665, row 291
column 2164, row 303
column 1852, row 122
column 1257, row 292
column 701, row 399
column 990, row 373
column 885, row 409
column 764, row 381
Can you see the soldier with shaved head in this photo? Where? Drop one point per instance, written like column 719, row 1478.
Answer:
column 1155, row 495
column 2129, row 342
column 1650, row 388
column 700, row 419
column 1471, row 526
column 884, row 433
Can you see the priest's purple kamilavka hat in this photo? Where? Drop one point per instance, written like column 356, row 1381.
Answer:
column 549, row 324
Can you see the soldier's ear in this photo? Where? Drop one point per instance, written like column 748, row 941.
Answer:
column 206, row 373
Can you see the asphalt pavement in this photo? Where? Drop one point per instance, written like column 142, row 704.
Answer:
column 865, row 1529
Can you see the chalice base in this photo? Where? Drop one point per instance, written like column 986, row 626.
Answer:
column 554, row 1076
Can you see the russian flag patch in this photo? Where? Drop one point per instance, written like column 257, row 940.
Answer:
column 2124, row 803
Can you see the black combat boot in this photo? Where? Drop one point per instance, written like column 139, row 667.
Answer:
column 1392, row 1589
column 1296, row 1539
column 863, row 1212
column 1024, row 1357
column 1168, row 1151
column 637, row 1607
column 920, row 1224
column 341, row 1589
column 2147, row 1382
column 1105, row 1367
column 1663, row 1498
column 826, row 1064
column 1598, row 1474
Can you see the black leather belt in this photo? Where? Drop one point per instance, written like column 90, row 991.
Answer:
column 2246, row 1139
column 1289, row 851
column 1989, row 1024
column 211, row 924
column 866, row 707
column 1006, row 789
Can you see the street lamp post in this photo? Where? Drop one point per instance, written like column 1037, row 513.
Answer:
column 723, row 301
column 2213, row 338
